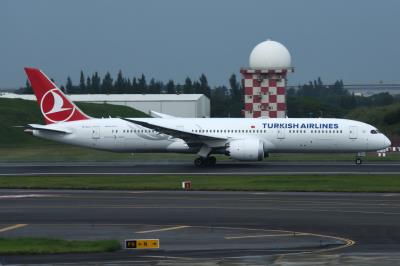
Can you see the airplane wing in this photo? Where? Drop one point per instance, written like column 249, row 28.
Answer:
column 189, row 137
column 47, row 128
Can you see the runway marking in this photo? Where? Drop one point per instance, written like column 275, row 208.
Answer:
column 197, row 207
column 347, row 242
column 297, row 173
column 261, row 236
column 321, row 202
column 163, row 229
column 13, row 227
column 24, row 196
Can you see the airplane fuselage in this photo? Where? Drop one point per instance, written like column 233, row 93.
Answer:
column 276, row 135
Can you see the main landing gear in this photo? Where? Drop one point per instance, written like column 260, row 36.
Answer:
column 205, row 161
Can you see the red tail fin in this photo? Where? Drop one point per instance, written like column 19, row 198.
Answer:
column 53, row 103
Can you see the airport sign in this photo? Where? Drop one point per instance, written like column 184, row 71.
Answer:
column 142, row 243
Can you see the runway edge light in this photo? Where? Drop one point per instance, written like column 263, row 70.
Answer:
column 142, row 243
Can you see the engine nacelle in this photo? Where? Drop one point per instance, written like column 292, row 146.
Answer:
column 245, row 150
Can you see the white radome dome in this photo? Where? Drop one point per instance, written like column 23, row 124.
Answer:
column 270, row 55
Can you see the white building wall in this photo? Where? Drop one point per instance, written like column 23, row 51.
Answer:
column 183, row 105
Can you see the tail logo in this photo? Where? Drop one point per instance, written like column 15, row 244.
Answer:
column 55, row 107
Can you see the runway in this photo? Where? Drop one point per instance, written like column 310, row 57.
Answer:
column 185, row 168
column 211, row 228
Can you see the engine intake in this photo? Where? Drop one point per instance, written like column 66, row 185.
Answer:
column 245, row 150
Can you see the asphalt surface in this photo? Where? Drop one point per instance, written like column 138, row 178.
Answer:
column 222, row 168
column 361, row 228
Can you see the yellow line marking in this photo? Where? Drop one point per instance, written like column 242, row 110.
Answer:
column 9, row 228
column 260, row 236
column 348, row 242
column 163, row 229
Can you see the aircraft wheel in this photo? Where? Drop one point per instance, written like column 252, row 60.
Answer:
column 358, row 161
column 211, row 161
column 199, row 162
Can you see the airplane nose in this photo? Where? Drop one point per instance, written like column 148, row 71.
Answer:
column 387, row 142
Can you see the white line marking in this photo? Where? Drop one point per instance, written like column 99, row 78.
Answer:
column 24, row 196
column 206, row 173
column 163, row 229
column 9, row 228
column 261, row 236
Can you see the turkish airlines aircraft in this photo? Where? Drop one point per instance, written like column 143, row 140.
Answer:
column 243, row 139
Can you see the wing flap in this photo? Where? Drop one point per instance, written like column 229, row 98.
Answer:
column 189, row 137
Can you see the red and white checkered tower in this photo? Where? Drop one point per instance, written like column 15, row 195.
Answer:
column 264, row 81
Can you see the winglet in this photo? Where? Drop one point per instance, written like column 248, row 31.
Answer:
column 160, row 115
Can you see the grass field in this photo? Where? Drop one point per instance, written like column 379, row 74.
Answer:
column 17, row 112
column 26, row 245
column 328, row 183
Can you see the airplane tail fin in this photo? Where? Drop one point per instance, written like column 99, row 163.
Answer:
column 54, row 104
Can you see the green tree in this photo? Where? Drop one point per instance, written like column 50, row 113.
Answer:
column 188, row 87
column 27, row 89
column 235, row 88
column 107, row 84
column 219, row 102
column 134, row 86
column 155, row 87
column 88, row 85
column 204, row 88
column 142, row 85
column 69, row 86
column 82, row 85
column 119, row 83
column 96, row 83
column 171, row 87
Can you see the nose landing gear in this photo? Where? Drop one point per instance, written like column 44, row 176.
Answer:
column 359, row 158
column 205, row 161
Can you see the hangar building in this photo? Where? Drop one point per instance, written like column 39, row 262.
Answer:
column 181, row 105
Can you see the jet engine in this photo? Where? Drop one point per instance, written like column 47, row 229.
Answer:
column 245, row 150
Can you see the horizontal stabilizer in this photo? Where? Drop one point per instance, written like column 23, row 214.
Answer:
column 47, row 128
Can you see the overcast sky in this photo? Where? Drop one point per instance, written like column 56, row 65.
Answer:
column 357, row 41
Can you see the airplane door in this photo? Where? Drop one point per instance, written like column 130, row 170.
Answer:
column 352, row 132
column 281, row 133
column 95, row 132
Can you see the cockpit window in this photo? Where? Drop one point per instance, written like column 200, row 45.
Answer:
column 375, row 131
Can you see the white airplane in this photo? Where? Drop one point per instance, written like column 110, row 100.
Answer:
column 243, row 139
